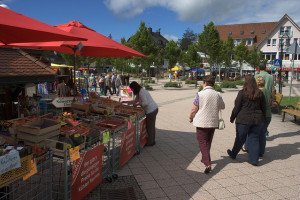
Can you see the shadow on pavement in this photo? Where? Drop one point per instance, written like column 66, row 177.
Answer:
column 174, row 163
column 282, row 135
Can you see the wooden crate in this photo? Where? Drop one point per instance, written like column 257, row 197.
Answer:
column 40, row 127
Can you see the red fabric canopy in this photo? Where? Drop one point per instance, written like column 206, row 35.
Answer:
column 97, row 45
column 16, row 28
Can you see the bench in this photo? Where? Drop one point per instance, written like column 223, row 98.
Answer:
column 276, row 102
column 291, row 110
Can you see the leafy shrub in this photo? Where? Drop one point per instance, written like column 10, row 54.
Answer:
column 228, row 84
column 216, row 87
column 149, row 81
column 239, row 82
column 148, row 87
column 190, row 81
column 183, row 78
column 173, row 84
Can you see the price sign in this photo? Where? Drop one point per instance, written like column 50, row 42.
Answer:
column 33, row 170
column 74, row 153
column 63, row 102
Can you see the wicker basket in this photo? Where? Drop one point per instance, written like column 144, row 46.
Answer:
column 15, row 174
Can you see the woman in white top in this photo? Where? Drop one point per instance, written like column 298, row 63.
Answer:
column 144, row 99
column 205, row 117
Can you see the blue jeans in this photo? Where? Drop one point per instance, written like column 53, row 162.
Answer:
column 262, row 138
column 253, row 132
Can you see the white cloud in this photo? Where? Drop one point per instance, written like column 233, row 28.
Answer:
column 3, row 5
column 219, row 11
column 170, row 37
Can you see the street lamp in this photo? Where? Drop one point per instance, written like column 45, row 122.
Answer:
column 294, row 49
column 284, row 35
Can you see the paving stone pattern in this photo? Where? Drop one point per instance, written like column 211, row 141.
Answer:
column 172, row 168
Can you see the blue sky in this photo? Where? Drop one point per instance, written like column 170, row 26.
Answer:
column 121, row 18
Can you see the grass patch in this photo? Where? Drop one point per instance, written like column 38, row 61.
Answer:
column 173, row 84
column 216, row 87
column 190, row 81
column 228, row 84
column 287, row 101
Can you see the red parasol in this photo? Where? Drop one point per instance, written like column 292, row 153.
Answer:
column 16, row 28
column 97, row 45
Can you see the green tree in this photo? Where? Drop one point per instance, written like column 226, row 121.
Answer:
column 189, row 37
column 227, row 51
column 191, row 56
column 142, row 42
column 209, row 44
column 172, row 53
column 241, row 54
column 254, row 57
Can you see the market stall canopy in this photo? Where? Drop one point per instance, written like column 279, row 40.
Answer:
column 16, row 28
column 198, row 70
column 97, row 45
column 53, row 65
column 18, row 67
column 176, row 68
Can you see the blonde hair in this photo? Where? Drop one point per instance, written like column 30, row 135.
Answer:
column 260, row 81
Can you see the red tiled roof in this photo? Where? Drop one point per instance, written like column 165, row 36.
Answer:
column 259, row 31
column 16, row 63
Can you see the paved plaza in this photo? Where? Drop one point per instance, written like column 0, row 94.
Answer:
column 172, row 169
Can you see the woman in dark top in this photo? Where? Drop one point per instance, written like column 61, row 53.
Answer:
column 249, row 113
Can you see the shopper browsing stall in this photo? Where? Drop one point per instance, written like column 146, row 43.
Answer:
column 144, row 99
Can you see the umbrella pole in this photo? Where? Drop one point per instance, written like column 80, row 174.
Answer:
column 74, row 74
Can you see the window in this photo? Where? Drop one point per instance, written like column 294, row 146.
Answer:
column 230, row 33
column 288, row 30
column 237, row 42
column 286, row 56
column 249, row 42
column 270, row 56
column 295, row 40
column 269, row 42
column 273, row 42
column 288, row 42
column 251, row 32
column 295, row 56
column 281, row 30
column 242, row 32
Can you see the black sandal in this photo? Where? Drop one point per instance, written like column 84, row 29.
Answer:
column 207, row 170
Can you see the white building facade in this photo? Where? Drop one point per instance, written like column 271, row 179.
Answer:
column 271, row 38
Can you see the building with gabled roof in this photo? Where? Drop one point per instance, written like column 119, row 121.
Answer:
column 18, row 67
column 269, row 37
column 252, row 33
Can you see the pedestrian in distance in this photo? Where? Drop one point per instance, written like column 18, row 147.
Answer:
column 118, row 84
column 268, row 90
column 249, row 114
column 205, row 117
column 144, row 99
column 113, row 83
column 108, row 85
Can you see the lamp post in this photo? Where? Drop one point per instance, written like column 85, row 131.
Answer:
column 294, row 50
column 282, row 37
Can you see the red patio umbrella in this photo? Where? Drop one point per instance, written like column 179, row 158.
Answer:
column 16, row 28
column 97, row 45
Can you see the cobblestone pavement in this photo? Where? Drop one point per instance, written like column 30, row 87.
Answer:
column 172, row 169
